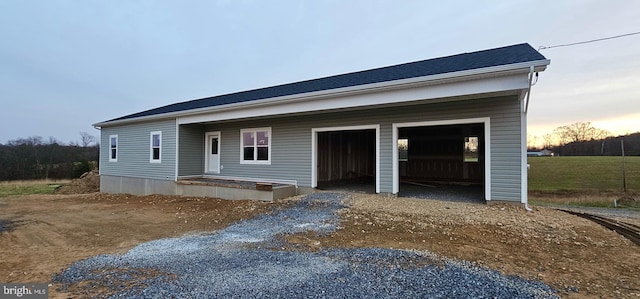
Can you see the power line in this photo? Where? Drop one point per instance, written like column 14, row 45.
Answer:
column 588, row 41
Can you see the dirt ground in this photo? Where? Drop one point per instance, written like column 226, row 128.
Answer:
column 49, row 232
column 574, row 255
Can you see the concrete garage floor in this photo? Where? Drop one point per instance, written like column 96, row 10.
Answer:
column 447, row 192
column 361, row 185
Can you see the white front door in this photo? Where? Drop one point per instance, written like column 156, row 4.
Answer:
column 213, row 152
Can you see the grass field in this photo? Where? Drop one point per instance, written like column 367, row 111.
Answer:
column 583, row 181
column 583, row 173
column 28, row 187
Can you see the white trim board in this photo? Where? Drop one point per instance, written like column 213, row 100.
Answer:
column 524, row 170
column 487, row 147
column 177, row 158
column 314, row 150
column 365, row 98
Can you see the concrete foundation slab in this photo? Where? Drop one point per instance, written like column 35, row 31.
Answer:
column 225, row 189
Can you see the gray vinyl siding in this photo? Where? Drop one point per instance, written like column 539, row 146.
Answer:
column 386, row 156
column 191, row 150
column 291, row 140
column 291, row 143
column 134, row 151
column 290, row 151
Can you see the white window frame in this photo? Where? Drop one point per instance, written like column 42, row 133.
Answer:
column 159, row 147
column 111, row 158
column 255, row 146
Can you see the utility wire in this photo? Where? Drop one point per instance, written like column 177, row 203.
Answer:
column 588, row 41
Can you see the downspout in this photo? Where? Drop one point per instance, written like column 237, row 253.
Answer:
column 526, row 107
column 525, row 169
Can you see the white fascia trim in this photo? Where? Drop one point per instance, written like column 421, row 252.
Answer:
column 502, row 70
column 487, row 147
column 458, row 89
column 438, row 79
column 314, row 150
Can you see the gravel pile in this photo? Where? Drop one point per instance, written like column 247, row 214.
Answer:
column 249, row 260
column 88, row 182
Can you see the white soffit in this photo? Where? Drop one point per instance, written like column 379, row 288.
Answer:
column 372, row 97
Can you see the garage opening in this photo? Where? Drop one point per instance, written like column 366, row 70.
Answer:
column 346, row 160
column 442, row 162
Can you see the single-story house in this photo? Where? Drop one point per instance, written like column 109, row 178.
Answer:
column 454, row 119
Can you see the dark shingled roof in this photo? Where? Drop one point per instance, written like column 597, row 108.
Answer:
column 461, row 62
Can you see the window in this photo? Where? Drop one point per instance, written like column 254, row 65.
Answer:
column 255, row 146
column 403, row 149
column 471, row 149
column 155, row 146
column 113, row 148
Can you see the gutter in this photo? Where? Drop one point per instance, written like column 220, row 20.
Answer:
column 537, row 65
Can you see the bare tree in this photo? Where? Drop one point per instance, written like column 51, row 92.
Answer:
column 579, row 131
column 599, row 134
column 53, row 140
column 29, row 141
column 86, row 139
column 548, row 140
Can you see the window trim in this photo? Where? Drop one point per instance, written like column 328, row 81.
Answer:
column 159, row 147
column 111, row 158
column 255, row 146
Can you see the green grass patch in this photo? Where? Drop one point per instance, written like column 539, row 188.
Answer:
column 593, row 173
column 26, row 188
column 594, row 199
column 590, row 204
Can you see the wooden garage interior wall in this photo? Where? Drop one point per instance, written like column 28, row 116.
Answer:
column 437, row 154
column 346, row 155
column 434, row 154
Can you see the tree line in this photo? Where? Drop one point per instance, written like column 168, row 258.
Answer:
column 609, row 146
column 583, row 139
column 34, row 158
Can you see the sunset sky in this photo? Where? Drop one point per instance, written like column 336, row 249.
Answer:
column 65, row 65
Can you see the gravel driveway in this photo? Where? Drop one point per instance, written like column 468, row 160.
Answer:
column 248, row 260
